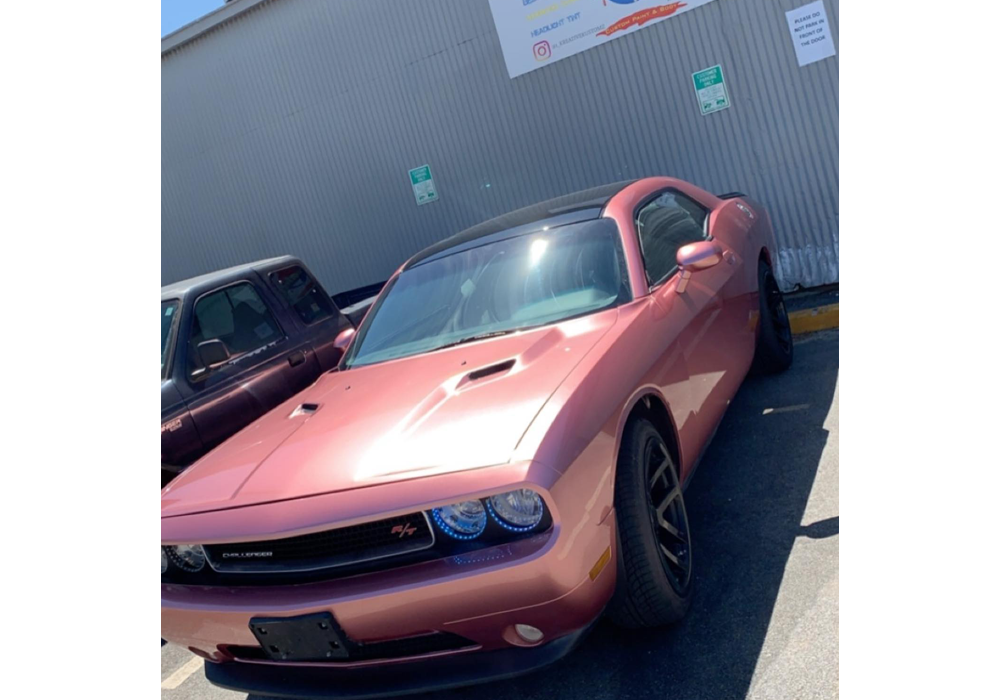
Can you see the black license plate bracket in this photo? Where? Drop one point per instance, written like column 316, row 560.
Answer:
column 313, row 637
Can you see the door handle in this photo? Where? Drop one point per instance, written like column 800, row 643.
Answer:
column 296, row 358
column 729, row 257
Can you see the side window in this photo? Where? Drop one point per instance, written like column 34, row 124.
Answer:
column 665, row 224
column 303, row 294
column 237, row 316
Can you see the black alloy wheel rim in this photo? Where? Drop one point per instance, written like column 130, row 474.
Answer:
column 779, row 315
column 668, row 515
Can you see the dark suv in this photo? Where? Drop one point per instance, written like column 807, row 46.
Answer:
column 233, row 345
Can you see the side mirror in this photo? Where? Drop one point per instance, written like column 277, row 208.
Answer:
column 343, row 339
column 213, row 353
column 696, row 256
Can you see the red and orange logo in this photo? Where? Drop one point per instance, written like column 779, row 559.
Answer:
column 641, row 17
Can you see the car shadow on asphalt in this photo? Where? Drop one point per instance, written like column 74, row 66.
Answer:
column 745, row 507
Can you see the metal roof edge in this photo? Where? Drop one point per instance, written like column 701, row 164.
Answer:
column 205, row 24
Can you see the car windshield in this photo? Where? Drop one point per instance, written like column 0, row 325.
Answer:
column 168, row 310
column 500, row 286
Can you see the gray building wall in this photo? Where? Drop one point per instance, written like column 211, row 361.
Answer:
column 290, row 129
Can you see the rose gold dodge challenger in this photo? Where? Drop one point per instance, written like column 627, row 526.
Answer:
column 500, row 456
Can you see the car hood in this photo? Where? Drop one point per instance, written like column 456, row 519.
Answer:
column 456, row 409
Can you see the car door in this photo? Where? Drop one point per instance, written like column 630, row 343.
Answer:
column 700, row 323
column 733, row 225
column 318, row 318
column 225, row 398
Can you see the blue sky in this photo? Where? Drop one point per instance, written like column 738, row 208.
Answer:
column 174, row 14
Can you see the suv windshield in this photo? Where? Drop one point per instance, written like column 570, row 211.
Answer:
column 497, row 287
column 168, row 311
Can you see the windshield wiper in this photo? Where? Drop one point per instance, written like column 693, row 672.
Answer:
column 473, row 338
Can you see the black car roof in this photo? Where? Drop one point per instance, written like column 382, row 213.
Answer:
column 570, row 208
column 178, row 290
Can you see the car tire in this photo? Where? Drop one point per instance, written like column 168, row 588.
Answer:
column 654, row 565
column 774, row 342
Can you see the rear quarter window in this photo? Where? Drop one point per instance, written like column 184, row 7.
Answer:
column 303, row 294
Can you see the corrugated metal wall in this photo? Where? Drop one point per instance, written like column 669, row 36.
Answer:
column 291, row 128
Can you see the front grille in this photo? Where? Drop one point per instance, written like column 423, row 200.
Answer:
column 410, row 646
column 370, row 651
column 323, row 550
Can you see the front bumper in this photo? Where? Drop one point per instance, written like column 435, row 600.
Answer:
column 558, row 581
column 434, row 674
column 479, row 596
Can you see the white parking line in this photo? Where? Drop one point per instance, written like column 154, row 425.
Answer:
column 786, row 409
column 181, row 674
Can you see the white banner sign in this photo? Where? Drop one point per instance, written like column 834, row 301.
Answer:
column 535, row 33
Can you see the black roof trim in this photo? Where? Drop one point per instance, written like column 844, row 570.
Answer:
column 569, row 208
column 178, row 290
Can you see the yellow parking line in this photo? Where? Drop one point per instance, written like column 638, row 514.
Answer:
column 811, row 320
column 181, row 674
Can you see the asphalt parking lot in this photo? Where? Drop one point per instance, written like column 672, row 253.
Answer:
column 764, row 516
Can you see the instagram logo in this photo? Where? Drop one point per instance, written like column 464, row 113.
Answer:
column 542, row 51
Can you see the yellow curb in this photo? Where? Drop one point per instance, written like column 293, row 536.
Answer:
column 811, row 320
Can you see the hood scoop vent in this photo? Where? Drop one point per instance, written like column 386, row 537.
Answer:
column 489, row 371
column 306, row 409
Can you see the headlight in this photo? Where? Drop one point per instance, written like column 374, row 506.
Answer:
column 519, row 510
column 189, row 557
column 163, row 561
column 463, row 521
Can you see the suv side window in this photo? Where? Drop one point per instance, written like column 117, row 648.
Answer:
column 664, row 225
column 237, row 316
column 303, row 294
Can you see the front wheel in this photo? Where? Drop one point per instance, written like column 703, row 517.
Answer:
column 774, row 343
column 654, row 545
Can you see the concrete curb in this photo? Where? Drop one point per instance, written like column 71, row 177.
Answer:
column 820, row 318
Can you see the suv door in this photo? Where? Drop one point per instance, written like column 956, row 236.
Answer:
column 313, row 308
column 225, row 399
